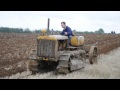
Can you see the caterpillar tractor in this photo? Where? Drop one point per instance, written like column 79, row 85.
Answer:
column 52, row 53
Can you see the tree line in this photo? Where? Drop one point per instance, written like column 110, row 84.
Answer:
column 27, row 30
column 17, row 30
column 99, row 31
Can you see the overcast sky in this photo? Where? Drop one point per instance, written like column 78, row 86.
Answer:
column 79, row 20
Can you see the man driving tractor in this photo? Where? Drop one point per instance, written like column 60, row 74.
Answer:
column 67, row 32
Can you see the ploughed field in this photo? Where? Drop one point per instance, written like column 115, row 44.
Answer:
column 15, row 49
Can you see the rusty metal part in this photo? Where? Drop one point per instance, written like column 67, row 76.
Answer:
column 70, row 61
column 83, row 56
column 76, row 64
column 63, row 65
column 47, row 48
column 93, row 55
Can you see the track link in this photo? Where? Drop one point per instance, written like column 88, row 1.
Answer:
column 70, row 61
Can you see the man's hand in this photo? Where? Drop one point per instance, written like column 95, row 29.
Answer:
column 66, row 33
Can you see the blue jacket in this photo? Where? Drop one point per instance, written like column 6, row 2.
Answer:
column 68, row 30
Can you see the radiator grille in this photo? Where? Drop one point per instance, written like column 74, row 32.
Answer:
column 46, row 48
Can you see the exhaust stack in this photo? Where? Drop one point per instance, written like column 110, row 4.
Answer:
column 48, row 25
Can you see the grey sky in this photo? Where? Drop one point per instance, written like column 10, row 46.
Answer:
column 79, row 20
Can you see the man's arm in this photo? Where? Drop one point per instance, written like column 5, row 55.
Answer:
column 69, row 31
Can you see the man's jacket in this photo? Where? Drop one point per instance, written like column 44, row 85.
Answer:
column 68, row 30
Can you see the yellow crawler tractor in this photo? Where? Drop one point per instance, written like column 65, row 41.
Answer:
column 52, row 53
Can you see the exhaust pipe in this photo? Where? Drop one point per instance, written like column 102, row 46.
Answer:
column 48, row 25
